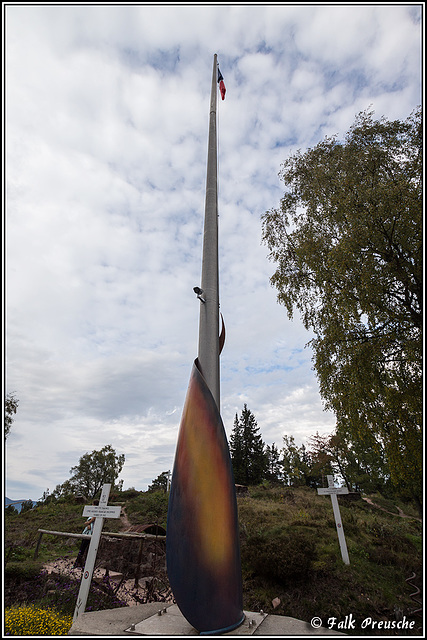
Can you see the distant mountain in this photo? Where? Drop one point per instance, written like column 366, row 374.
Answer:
column 17, row 504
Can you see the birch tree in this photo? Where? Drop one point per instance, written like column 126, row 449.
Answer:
column 347, row 246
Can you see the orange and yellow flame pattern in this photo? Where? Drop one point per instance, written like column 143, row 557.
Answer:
column 203, row 554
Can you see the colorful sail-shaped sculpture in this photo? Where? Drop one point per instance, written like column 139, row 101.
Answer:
column 202, row 544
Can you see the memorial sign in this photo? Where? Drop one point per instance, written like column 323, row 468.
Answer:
column 333, row 491
column 100, row 512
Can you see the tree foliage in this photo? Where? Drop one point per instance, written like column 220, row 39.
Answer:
column 161, row 483
column 363, row 468
column 294, row 462
column 10, row 409
column 347, row 243
column 247, row 449
column 92, row 472
column 27, row 505
column 302, row 467
column 273, row 471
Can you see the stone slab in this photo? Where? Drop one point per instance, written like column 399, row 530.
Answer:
column 116, row 622
column 112, row 622
column 287, row 626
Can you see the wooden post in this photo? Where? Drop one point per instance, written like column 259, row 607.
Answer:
column 36, row 551
column 138, row 564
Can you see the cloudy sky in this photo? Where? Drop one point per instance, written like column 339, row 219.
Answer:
column 106, row 122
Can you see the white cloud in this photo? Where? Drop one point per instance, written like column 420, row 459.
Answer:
column 106, row 121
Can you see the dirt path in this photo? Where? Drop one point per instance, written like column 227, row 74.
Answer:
column 124, row 520
column 400, row 514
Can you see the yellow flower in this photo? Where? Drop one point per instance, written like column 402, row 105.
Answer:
column 31, row 621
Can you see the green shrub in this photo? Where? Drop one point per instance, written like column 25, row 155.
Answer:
column 127, row 494
column 286, row 557
column 11, row 511
column 416, row 541
column 18, row 552
column 22, row 571
column 149, row 507
column 387, row 535
column 383, row 556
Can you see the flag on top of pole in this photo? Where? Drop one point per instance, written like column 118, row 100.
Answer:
column 222, row 88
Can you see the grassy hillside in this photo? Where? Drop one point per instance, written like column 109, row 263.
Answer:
column 21, row 531
column 289, row 549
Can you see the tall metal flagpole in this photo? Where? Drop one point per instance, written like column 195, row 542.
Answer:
column 208, row 353
column 202, row 535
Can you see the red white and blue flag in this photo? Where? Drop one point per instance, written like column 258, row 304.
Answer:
column 222, row 88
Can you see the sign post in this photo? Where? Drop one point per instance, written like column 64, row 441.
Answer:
column 100, row 512
column 333, row 492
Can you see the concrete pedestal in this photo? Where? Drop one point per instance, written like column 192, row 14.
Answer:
column 129, row 621
column 169, row 621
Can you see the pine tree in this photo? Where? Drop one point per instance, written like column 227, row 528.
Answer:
column 274, row 466
column 298, row 465
column 247, row 450
column 236, row 450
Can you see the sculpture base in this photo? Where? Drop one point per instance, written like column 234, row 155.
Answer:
column 170, row 622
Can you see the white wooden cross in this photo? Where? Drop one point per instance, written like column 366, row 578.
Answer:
column 333, row 492
column 100, row 512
